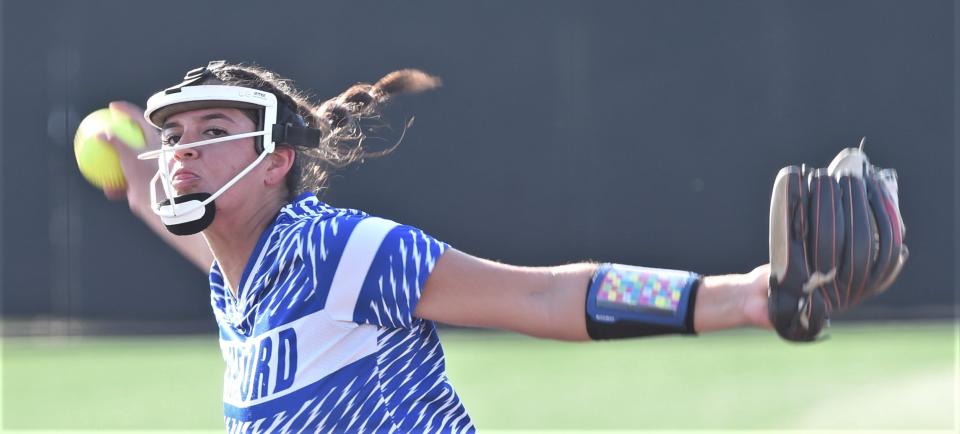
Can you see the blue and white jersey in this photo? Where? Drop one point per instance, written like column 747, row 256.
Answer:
column 321, row 335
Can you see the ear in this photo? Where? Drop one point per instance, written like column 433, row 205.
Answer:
column 278, row 164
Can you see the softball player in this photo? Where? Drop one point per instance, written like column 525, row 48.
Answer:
column 327, row 315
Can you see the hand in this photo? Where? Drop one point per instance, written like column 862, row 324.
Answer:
column 136, row 172
column 754, row 302
column 733, row 300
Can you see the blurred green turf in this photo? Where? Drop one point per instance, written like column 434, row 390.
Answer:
column 895, row 376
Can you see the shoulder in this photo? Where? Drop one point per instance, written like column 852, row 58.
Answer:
column 337, row 223
column 324, row 232
column 308, row 218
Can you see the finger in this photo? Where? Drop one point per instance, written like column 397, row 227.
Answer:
column 888, row 238
column 133, row 111
column 115, row 193
column 122, row 147
column 826, row 235
column 858, row 242
column 788, row 266
column 150, row 133
column 796, row 315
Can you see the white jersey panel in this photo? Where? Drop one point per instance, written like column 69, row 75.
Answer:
column 354, row 265
column 282, row 362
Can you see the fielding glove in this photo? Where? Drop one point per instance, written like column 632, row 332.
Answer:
column 836, row 239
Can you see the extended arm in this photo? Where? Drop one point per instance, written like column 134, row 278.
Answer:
column 549, row 302
column 138, row 174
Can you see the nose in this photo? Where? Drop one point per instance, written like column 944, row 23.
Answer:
column 186, row 154
column 189, row 153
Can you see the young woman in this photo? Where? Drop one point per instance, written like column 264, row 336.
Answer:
column 326, row 315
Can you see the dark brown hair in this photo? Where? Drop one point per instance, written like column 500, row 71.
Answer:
column 341, row 119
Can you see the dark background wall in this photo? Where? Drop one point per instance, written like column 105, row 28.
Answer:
column 638, row 132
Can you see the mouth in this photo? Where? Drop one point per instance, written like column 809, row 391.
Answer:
column 183, row 179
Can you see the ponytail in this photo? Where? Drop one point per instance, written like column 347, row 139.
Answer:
column 340, row 119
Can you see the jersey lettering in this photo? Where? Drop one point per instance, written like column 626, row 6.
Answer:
column 256, row 365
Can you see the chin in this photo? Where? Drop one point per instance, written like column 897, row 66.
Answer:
column 186, row 191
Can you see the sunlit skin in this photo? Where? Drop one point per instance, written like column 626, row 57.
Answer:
column 250, row 205
column 231, row 156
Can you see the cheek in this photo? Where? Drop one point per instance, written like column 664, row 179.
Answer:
column 226, row 161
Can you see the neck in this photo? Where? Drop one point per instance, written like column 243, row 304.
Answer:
column 233, row 235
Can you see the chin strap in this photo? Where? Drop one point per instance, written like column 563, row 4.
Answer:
column 191, row 213
column 193, row 220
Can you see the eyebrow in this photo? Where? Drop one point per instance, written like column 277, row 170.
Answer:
column 205, row 117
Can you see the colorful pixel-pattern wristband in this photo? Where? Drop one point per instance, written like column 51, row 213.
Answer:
column 624, row 301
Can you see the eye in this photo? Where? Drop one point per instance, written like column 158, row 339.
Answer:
column 215, row 132
column 170, row 140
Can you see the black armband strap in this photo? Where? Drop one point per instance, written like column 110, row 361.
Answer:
column 625, row 301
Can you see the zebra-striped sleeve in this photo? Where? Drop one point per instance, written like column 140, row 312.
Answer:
column 395, row 279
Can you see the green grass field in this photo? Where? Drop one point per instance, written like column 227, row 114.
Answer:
column 893, row 376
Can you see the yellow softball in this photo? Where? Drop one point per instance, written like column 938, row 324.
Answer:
column 97, row 160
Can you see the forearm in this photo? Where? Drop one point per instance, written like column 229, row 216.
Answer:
column 722, row 302
column 562, row 302
column 733, row 300
column 138, row 175
column 193, row 247
column 719, row 303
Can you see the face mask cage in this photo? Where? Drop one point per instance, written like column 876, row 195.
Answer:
column 175, row 210
column 191, row 213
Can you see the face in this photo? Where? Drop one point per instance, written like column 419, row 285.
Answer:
column 207, row 168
